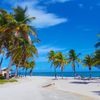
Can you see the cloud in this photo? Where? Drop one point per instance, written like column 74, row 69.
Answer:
column 43, row 17
column 43, row 51
column 56, row 1
column 46, row 48
column 59, row 1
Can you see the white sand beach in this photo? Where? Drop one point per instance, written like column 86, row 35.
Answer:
column 40, row 88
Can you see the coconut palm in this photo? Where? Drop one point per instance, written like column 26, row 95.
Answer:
column 6, row 29
column 53, row 60
column 21, row 55
column 10, row 26
column 97, row 58
column 26, row 67
column 20, row 14
column 97, row 45
column 57, row 60
column 97, row 53
column 24, row 28
column 89, row 62
column 32, row 65
column 62, row 61
column 73, row 58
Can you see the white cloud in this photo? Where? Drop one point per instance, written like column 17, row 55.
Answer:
column 43, row 17
column 56, row 1
column 60, row 1
column 46, row 48
column 43, row 51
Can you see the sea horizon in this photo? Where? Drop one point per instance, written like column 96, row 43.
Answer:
column 65, row 74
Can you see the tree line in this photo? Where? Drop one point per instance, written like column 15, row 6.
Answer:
column 60, row 60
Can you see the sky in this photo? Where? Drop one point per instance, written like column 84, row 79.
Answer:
column 61, row 25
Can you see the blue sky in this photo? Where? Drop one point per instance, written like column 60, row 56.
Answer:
column 61, row 25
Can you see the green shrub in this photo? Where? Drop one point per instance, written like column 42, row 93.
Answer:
column 3, row 81
column 2, row 77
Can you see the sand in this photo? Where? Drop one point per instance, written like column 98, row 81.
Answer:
column 32, row 88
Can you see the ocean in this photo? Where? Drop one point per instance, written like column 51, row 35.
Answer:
column 65, row 74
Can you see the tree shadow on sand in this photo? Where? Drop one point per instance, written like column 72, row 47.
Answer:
column 85, row 81
column 79, row 82
column 97, row 92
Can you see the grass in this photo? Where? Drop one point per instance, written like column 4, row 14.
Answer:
column 3, row 81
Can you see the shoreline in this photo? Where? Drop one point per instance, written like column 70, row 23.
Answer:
column 95, row 74
column 65, row 86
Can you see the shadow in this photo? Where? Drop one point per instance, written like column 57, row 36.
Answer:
column 54, row 79
column 80, row 82
column 97, row 92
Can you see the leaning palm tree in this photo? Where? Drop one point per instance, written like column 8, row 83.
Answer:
column 15, row 25
column 97, row 45
column 97, row 58
column 62, row 61
column 20, row 55
column 53, row 60
column 73, row 58
column 32, row 65
column 89, row 61
column 26, row 67
column 24, row 29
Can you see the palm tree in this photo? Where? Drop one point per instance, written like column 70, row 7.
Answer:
column 97, row 45
column 2, row 52
column 73, row 58
column 20, row 14
column 53, row 60
column 21, row 55
column 62, row 61
column 97, row 58
column 89, row 61
column 24, row 29
column 26, row 67
column 32, row 65
column 10, row 26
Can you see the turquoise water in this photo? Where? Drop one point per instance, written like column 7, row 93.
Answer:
column 65, row 74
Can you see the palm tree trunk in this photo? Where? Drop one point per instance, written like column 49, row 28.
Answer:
column 74, row 71
column 62, row 73
column 17, row 67
column 1, row 64
column 55, row 74
column 25, row 72
column 90, row 72
column 31, row 72
column 16, row 73
column 9, row 68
